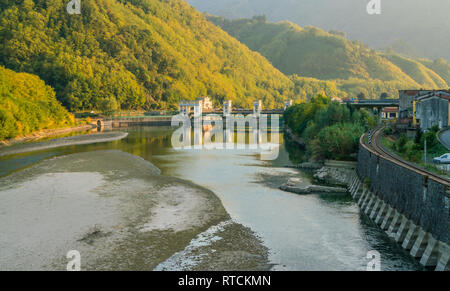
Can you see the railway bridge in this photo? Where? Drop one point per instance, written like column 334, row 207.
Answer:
column 373, row 103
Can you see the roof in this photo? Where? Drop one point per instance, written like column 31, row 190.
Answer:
column 410, row 92
column 444, row 94
column 422, row 92
column 203, row 98
column 405, row 120
column 390, row 109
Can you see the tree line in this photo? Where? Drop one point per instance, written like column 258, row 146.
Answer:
column 331, row 129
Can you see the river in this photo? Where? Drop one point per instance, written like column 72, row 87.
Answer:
column 300, row 232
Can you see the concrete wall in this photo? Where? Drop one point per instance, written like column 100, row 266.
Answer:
column 432, row 111
column 422, row 201
column 406, row 104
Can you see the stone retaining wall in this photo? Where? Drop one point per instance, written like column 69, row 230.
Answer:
column 412, row 209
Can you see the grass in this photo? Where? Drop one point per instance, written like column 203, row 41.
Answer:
column 414, row 156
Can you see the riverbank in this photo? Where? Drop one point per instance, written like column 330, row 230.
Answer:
column 120, row 213
column 60, row 142
column 331, row 176
column 48, row 133
column 301, row 232
column 294, row 187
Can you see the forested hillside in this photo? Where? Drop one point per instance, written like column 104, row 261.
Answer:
column 423, row 75
column 312, row 52
column 27, row 104
column 440, row 66
column 121, row 54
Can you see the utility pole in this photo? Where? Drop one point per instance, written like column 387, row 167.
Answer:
column 425, row 146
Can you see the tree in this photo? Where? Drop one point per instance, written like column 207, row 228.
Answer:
column 170, row 52
column 109, row 105
column 330, row 129
column 401, row 143
column 27, row 104
column 361, row 96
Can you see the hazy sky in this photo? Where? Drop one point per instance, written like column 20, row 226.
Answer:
column 422, row 26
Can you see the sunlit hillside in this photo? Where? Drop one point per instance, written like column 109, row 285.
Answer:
column 27, row 104
column 133, row 54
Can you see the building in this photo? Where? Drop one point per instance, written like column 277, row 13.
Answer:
column 206, row 103
column 337, row 99
column 407, row 98
column 227, row 107
column 432, row 109
column 389, row 113
column 287, row 104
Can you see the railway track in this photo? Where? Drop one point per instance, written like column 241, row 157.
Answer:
column 376, row 147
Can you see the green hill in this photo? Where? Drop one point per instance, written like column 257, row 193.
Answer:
column 27, row 104
column 414, row 27
column 440, row 66
column 419, row 72
column 133, row 54
column 312, row 52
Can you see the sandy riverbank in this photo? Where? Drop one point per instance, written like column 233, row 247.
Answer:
column 47, row 133
column 120, row 213
column 60, row 142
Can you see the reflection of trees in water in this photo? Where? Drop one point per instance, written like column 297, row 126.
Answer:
column 296, row 153
column 146, row 146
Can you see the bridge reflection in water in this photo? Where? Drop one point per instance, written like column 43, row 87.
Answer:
column 250, row 133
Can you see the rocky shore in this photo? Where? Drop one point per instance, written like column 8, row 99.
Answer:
column 331, row 176
column 294, row 187
column 336, row 176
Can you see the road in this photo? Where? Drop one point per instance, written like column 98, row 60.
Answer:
column 444, row 137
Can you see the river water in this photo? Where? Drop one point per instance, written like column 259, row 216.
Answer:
column 301, row 232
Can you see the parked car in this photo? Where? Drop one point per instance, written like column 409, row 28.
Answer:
column 444, row 159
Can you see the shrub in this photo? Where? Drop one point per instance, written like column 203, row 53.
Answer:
column 338, row 141
column 387, row 131
column 367, row 182
column 418, row 137
column 401, row 143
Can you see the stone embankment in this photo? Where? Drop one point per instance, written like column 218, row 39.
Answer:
column 411, row 208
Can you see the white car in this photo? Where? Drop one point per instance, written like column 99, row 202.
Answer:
column 444, row 159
